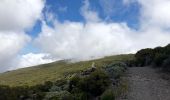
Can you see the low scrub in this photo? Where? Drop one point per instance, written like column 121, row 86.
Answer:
column 109, row 94
column 91, row 84
column 94, row 84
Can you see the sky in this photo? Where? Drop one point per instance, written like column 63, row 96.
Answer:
column 35, row 32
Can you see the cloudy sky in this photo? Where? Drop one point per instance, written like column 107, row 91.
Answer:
column 34, row 32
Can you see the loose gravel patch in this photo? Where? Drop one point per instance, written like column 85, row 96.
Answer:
column 146, row 84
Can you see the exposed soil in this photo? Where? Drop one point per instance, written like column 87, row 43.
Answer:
column 145, row 83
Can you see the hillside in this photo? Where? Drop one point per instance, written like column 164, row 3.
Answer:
column 124, row 77
column 53, row 71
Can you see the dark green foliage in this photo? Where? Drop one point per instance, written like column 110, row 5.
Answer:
column 158, row 57
column 167, row 49
column 78, row 88
column 131, row 63
column 158, row 49
column 20, row 93
column 108, row 95
column 144, row 57
column 47, row 86
column 96, row 83
column 80, row 95
column 92, row 85
column 74, row 81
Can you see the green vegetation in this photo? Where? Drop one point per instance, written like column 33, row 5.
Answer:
column 54, row 71
column 108, row 95
column 158, row 57
column 63, row 80
column 66, row 81
column 90, row 84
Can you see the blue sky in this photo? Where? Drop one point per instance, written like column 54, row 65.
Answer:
column 42, row 31
column 70, row 10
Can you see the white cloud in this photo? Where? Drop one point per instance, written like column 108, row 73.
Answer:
column 19, row 14
column 155, row 13
column 83, row 41
column 88, row 14
column 32, row 59
column 11, row 44
column 108, row 6
column 15, row 17
column 97, row 38
column 76, row 40
column 150, row 38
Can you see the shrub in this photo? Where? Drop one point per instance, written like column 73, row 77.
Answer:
column 131, row 63
column 159, row 58
column 94, row 84
column 43, row 87
column 145, row 57
column 74, row 81
column 115, row 70
column 82, row 96
column 108, row 95
column 63, row 95
column 167, row 49
column 55, row 88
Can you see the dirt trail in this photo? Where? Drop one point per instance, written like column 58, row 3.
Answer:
column 146, row 84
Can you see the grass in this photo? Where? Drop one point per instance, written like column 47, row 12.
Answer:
column 122, row 88
column 53, row 71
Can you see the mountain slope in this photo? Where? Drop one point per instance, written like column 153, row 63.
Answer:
column 53, row 71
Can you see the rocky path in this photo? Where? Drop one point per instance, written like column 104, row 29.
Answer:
column 146, row 84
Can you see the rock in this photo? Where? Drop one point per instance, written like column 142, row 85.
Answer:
column 89, row 70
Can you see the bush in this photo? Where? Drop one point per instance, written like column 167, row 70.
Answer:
column 108, row 95
column 82, row 96
column 63, row 95
column 92, row 85
column 47, row 85
column 115, row 70
column 131, row 63
column 159, row 58
column 74, row 81
column 20, row 93
column 154, row 56
column 167, row 49
column 96, row 83
column 145, row 57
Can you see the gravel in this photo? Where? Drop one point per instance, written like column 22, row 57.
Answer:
column 146, row 84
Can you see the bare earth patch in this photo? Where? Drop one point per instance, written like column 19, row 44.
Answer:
column 146, row 84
